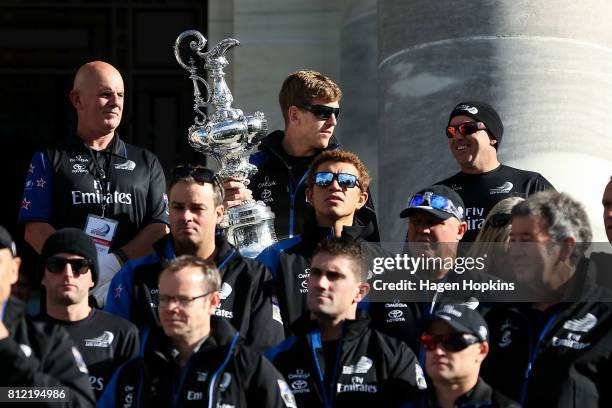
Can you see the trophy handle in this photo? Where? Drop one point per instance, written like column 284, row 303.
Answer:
column 196, row 46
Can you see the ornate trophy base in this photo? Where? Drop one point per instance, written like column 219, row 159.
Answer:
column 249, row 227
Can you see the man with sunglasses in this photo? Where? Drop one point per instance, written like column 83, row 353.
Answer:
column 456, row 343
column 335, row 358
column 94, row 181
column 34, row 353
column 337, row 189
column 436, row 224
column 70, row 271
column 556, row 349
column 196, row 359
column 309, row 102
column 196, row 208
column 474, row 134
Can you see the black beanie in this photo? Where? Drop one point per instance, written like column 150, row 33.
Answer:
column 72, row 241
column 484, row 113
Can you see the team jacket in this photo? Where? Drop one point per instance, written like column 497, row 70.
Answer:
column 275, row 185
column 481, row 396
column 37, row 354
column 480, row 192
column 105, row 342
column 289, row 262
column 63, row 188
column 557, row 358
column 372, row 369
column 221, row 373
column 246, row 293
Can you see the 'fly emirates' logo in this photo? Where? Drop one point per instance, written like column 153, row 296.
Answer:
column 111, row 197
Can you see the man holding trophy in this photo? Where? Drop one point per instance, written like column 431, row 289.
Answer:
column 310, row 103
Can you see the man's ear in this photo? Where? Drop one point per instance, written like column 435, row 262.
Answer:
column 215, row 301
column 75, row 98
column 219, row 213
column 461, row 230
column 309, row 196
column 493, row 141
column 484, row 350
column 363, row 199
column 292, row 114
column 566, row 248
column 362, row 291
column 15, row 270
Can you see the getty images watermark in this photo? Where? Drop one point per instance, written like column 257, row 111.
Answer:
column 434, row 274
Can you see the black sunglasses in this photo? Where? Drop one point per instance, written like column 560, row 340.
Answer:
column 79, row 266
column 452, row 342
column 322, row 112
column 345, row 180
column 499, row 220
column 199, row 174
column 464, row 129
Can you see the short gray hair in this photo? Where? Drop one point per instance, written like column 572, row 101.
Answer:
column 564, row 217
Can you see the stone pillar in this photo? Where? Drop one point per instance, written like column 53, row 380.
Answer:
column 545, row 69
column 358, row 129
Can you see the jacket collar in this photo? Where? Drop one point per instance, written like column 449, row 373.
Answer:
column 164, row 247
column 351, row 329
column 478, row 396
column 274, row 144
column 117, row 147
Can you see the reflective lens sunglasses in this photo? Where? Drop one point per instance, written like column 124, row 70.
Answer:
column 199, row 174
column 437, row 202
column 57, row 264
column 345, row 180
column 321, row 111
column 452, row 342
column 464, row 129
column 182, row 301
column 499, row 220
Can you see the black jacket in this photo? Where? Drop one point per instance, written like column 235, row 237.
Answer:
column 246, row 293
column 37, row 354
column 282, row 185
column 222, row 371
column 481, row 396
column 289, row 262
column 560, row 357
column 371, row 368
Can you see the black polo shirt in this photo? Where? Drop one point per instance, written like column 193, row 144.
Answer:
column 67, row 182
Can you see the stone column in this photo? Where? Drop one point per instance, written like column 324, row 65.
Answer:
column 546, row 68
column 358, row 129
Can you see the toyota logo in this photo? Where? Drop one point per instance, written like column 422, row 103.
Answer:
column 299, row 384
column 266, row 194
column 305, row 284
column 78, row 167
column 394, row 314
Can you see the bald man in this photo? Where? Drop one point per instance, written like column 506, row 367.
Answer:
column 94, row 181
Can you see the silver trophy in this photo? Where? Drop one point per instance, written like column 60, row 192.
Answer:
column 227, row 135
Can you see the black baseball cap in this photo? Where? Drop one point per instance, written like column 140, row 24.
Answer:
column 6, row 241
column 462, row 318
column 439, row 200
column 481, row 112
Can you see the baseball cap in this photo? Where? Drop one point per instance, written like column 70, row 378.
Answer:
column 439, row 200
column 481, row 112
column 72, row 241
column 462, row 318
column 6, row 241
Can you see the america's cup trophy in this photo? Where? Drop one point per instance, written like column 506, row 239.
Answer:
column 227, row 135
